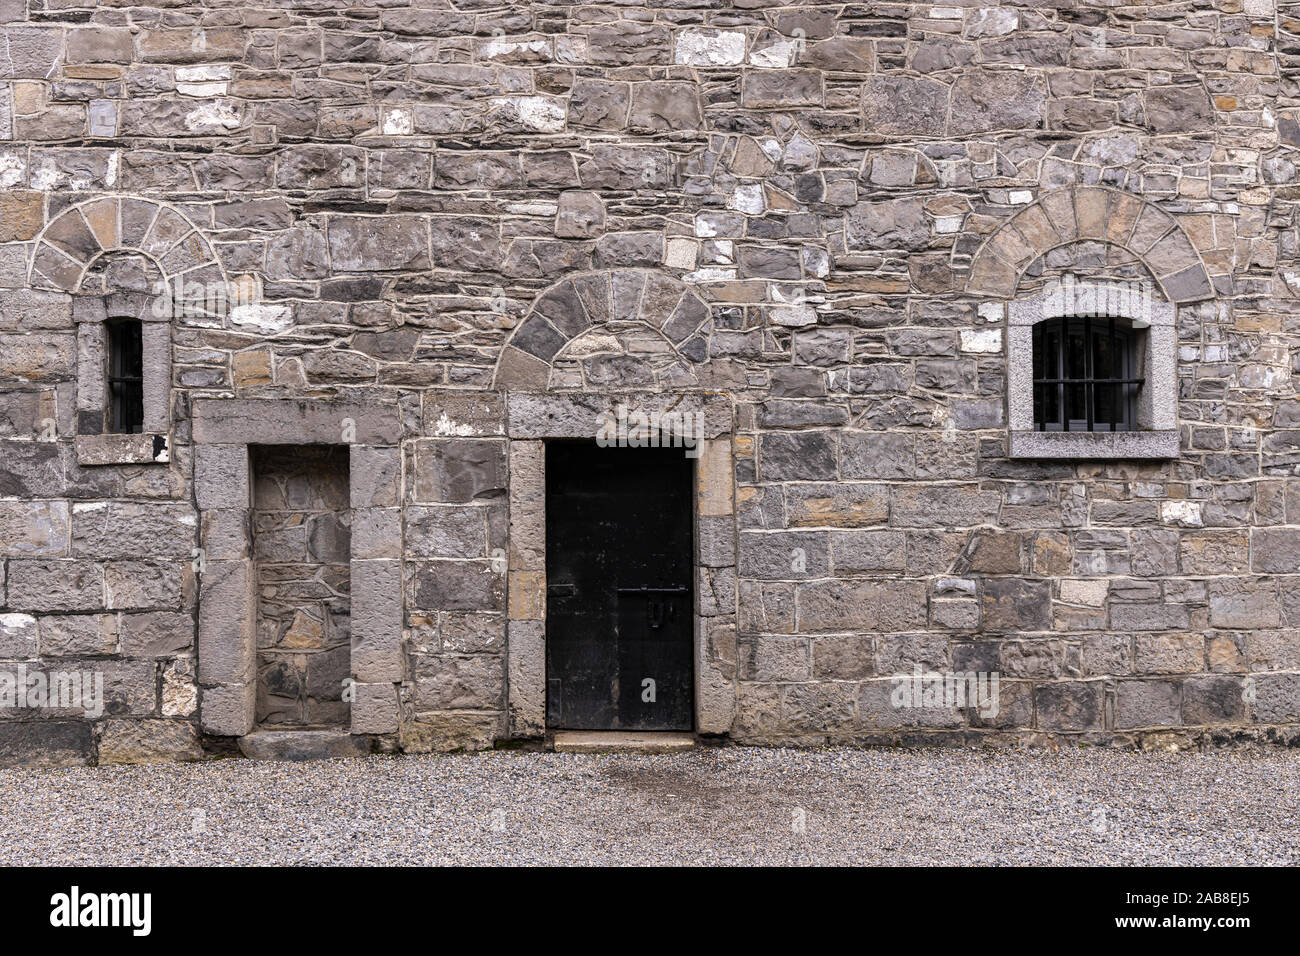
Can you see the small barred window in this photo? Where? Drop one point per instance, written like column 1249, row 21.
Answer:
column 125, row 376
column 1086, row 374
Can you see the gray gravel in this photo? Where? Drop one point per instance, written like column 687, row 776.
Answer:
column 715, row 806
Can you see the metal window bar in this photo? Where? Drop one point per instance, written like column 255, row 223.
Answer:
column 1088, row 393
column 1063, row 333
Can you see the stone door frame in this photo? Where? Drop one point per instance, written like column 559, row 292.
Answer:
column 227, row 653
column 534, row 418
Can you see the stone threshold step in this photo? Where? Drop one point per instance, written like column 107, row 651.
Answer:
column 610, row 741
column 302, row 744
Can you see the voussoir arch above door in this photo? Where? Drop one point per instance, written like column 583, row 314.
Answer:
column 591, row 300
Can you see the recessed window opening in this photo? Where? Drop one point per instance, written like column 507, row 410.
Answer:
column 125, row 376
column 1086, row 374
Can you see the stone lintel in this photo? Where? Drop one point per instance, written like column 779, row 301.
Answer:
column 542, row 415
column 240, row 421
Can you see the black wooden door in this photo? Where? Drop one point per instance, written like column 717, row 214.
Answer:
column 619, row 598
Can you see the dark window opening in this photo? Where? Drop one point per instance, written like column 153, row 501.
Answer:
column 1085, row 375
column 125, row 376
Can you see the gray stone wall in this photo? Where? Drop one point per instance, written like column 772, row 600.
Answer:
column 815, row 212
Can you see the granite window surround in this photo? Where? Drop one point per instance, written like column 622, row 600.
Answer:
column 1156, row 435
column 95, row 445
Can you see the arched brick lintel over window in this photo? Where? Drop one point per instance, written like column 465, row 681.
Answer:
column 578, row 303
column 1082, row 213
column 79, row 235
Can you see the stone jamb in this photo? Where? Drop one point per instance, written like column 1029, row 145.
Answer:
column 223, row 430
column 532, row 419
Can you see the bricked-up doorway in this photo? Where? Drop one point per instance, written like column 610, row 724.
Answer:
column 224, row 431
column 620, row 598
column 301, row 553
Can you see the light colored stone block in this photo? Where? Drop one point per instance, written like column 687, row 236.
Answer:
column 227, row 709
column 227, row 612
column 377, row 621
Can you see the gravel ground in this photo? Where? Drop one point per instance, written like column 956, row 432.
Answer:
column 713, row 806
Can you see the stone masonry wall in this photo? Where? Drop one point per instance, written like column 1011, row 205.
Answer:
column 817, row 210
